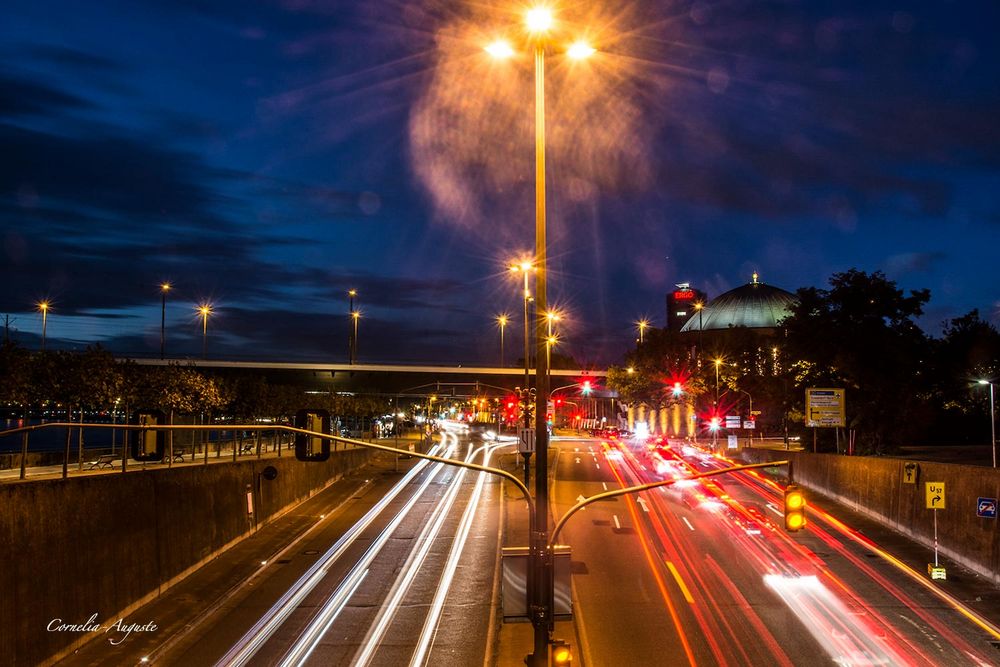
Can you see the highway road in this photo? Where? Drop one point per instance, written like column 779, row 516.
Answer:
column 395, row 582
column 704, row 573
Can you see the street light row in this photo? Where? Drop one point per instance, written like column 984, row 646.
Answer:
column 203, row 310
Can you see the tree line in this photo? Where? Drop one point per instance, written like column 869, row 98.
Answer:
column 902, row 385
column 92, row 380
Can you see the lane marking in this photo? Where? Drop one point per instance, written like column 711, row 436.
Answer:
column 618, row 524
column 685, row 520
column 680, row 582
column 605, row 485
column 642, row 503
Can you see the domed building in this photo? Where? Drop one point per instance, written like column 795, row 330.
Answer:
column 754, row 306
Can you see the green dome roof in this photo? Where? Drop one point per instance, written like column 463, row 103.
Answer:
column 754, row 305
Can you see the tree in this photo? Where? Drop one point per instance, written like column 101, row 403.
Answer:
column 861, row 335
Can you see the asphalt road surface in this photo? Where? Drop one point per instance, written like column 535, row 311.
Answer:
column 705, row 574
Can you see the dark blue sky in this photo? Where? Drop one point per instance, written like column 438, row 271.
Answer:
column 268, row 156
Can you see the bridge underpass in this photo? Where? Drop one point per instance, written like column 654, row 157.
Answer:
column 389, row 379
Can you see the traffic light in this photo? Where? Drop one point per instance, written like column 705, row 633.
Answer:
column 678, row 389
column 795, row 508
column 715, row 423
column 559, row 653
column 586, row 388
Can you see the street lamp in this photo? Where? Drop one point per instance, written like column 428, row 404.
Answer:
column 993, row 423
column 539, row 21
column 699, row 306
column 502, row 321
column 355, row 315
column 642, row 324
column 43, row 308
column 718, row 363
column 524, row 267
column 550, row 317
column 204, row 310
column 351, row 343
column 164, row 288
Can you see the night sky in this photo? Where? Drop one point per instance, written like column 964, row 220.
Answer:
column 269, row 156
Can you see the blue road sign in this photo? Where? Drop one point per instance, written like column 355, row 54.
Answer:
column 986, row 508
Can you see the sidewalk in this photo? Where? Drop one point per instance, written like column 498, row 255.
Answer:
column 225, row 455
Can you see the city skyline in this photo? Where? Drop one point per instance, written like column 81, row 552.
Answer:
column 268, row 159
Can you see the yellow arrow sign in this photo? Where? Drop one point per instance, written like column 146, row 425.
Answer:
column 935, row 495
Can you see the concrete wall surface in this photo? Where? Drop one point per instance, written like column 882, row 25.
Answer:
column 876, row 487
column 105, row 544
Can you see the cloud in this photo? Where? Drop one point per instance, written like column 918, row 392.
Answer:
column 31, row 98
column 912, row 262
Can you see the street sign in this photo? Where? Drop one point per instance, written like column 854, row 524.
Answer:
column 937, row 571
column 526, row 440
column 825, row 408
column 935, row 495
column 986, row 508
column 747, row 423
column 732, row 421
column 755, row 413
column 910, row 472
column 733, row 442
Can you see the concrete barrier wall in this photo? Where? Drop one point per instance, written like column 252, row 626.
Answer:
column 106, row 543
column 875, row 487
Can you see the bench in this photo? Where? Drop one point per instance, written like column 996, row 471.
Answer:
column 104, row 461
column 179, row 453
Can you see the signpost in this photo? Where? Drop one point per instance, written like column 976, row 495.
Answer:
column 732, row 421
column 825, row 408
column 935, row 499
column 526, row 440
column 732, row 442
column 986, row 508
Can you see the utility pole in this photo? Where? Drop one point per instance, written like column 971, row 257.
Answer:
column 6, row 327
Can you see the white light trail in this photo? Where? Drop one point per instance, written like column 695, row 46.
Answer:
column 241, row 652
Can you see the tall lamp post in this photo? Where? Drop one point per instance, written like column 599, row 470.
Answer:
column 502, row 321
column 524, row 267
column 350, row 337
column 164, row 288
column 539, row 21
column 550, row 339
column 43, row 307
column 204, row 310
column 642, row 324
column 701, row 328
column 993, row 423
column 356, row 315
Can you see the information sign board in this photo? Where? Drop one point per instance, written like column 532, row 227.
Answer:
column 825, row 408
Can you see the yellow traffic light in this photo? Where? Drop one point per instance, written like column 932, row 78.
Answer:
column 559, row 653
column 795, row 508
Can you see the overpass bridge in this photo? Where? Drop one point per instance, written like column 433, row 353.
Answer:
column 394, row 379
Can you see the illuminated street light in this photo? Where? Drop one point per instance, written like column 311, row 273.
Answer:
column 524, row 267
column 204, row 310
column 539, row 21
column 164, row 288
column 699, row 306
column 355, row 316
column 500, row 49
column 351, row 338
column 718, row 364
column 642, row 324
column 43, row 308
column 580, row 50
column 630, row 370
column 502, row 321
column 993, row 423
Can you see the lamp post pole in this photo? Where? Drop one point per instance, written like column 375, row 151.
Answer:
column 44, row 307
column 164, row 288
column 540, row 610
column 993, row 423
column 352, row 332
